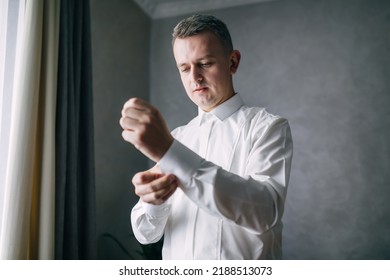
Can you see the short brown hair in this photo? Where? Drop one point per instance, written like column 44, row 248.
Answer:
column 196, row 24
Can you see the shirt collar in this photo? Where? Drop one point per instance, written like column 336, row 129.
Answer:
column 224, row 110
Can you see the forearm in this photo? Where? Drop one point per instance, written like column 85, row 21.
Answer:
column 247, row 202
column 252, row 202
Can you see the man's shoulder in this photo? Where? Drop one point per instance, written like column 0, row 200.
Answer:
column 258, row 114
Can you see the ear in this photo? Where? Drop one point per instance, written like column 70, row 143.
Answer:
column 235, row 57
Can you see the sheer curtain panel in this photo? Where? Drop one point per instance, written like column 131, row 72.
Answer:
column 27, row 222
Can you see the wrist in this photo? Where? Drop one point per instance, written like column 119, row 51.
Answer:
column 164, row 149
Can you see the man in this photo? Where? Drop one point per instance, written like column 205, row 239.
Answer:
column 219, row 185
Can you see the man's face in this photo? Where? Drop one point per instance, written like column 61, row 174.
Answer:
column 206, row 69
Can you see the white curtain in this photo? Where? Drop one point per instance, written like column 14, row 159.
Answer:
column 27, row 206
column 3, row 28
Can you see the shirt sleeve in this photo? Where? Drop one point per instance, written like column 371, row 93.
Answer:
column 148, row 221
column 255, row 200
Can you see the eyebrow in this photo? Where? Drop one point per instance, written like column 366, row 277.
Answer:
column 208, row 56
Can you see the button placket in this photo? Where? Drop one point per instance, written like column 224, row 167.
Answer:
column 206, row 126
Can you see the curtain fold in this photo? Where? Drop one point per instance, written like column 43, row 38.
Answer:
column 26, row 155
column 75, row 214
column 43, row 208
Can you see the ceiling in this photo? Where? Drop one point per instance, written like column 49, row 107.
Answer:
column 169, row 8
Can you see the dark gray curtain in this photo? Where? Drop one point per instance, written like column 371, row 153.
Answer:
column 75, row 230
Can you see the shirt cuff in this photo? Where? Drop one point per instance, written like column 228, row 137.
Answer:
column 156, row 211
column 180, row 161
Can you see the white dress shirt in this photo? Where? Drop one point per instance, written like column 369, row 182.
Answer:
column 233, row 165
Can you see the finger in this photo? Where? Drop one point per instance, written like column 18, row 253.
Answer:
column 146, row 117
column 138, row 104
column 169, row 193
column 156, row 186
column 128, row 123
column 132, row 123
column 131, row 137
column 136, row 114
column 145, row 177
column 159, row 196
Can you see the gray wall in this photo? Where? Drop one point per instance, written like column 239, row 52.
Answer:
column 325, row 65
column 120, row 43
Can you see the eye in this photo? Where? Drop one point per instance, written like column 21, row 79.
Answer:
column 184, row 69
column 205, row 64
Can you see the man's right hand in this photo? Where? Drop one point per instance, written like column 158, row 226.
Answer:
column 154, row 187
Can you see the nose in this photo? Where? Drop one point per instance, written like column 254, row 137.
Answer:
column 196, row 75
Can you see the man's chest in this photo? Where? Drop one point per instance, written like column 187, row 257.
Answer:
column 218, row 142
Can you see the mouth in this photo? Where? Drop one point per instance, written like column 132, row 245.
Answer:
column 200, row 89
